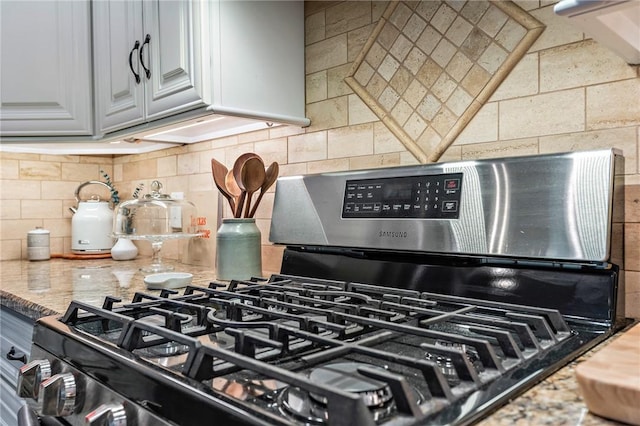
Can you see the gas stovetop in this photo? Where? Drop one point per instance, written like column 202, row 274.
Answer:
column 296, row 350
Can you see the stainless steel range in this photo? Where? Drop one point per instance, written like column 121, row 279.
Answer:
column 427, row 294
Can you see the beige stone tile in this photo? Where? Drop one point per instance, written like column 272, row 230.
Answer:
column 443, row 52
column 444, row 121
column 259, row 135
column 10, row 249
column 459, row 31
column 400, row 16
column 459, row 101
column 19, row 156
column 374, row 161
column 388, row 67
column 414, row 126
column 415, row 60
column 59, row 228
column 167, row 166
column 149, row 168
column 316, row 86
column 389, row 98
column 443, row 18
column 528, row 4
column 414, row 27
column 401, row 112
column 10, row 209
column 328, row 114
column 557, row 31
column 474, row 10
column 632, row 246
column 459, row 66
column 428, row 40
column 510, row 35
column 314, row 28
column 632, row 302
column 60, row 190
column 117, row 172
column 223, row 142
column 375, row 86
column 500, row 149
column 335, row 81
column 39, row 170
column 187, row 164
column 475, row 44
column 428, row 141
column 375, row 55
column 483, row 127
column 308, row 147
column 427, row 9
column 614, row 104
column 453, row 153
column 559, row 67
column 384, row 141
column 232, row 153
column 632, row 202
column 356, row 40
column 326, row 54
column 266, row 205
column 617, row 253
column 521, row 81
column 475, row 80
column 492, row 58
column 272, row 150
column 444, row 87
column 19, row 190
column 401, row 48
column 327, row 166
column 79, row 172
column 9, row 169
column 73, row 158
column 401, row 80
column 359, row 112
column 175, row 184
column 622, row 138
column 415, row 93
column 388, row 36
column 492, row 21
column 130, row 171
column 201, row 182
column 346, row 16
column 429, row 107
column 17, row 229
column 293, row 169
column 364, row 73
column 272, row 258
column 429, row 73
column 407, row 159
column 350, row 141
column 284, row 131
column 548, row 114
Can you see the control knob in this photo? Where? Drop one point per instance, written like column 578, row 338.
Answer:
column 112, row 414
column 31, row 375
column 57, row 396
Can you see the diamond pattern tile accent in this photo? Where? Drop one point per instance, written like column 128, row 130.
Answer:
column 430, row 65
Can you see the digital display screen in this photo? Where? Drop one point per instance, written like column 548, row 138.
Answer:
column 395, row 191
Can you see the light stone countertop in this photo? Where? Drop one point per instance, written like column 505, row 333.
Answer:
column 36, row 289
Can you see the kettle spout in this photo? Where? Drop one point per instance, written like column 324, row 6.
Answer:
column 73, row 209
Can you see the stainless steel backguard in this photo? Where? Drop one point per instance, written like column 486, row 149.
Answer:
column 556, row 206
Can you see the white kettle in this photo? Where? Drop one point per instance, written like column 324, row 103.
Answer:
column 91, row 225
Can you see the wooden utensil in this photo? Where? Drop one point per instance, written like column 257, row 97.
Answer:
column 232, row 187
column 271, row 176
column 610, row 379
column 237, row 174
column 253, row 176
column 219, row 173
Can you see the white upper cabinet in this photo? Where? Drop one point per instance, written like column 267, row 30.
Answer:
column 46, row 86
column 148, row 57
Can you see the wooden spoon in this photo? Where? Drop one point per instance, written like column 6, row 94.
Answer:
column 219, row 172
column 237, row 174
column 270, row 178
column 253, row 176
column 232, row 187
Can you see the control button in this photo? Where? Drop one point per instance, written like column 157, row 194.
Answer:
column 452, row 184
column 386, row 207
column 406, row 206
column 377, row 207
column 107, row 415
column 57, row 395
column 349, row 207
column 367, row 207
column 449, row 206
column 350, row 195
column 359, row 195
column 30, row 376
column 369, row 194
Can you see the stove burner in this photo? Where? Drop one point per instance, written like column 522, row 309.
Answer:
column 345, row 376
column 446, row 364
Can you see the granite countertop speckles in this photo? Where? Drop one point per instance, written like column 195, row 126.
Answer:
column 36, row 289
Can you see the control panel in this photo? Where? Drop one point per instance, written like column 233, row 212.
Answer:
column 408, row 197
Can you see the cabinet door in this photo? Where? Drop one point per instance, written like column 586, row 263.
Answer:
column 177, row 55
column 119, row 95
column 46, row 68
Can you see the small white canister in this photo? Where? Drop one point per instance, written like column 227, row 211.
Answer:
column 38, row 247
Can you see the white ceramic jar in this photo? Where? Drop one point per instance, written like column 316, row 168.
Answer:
column 38, row 244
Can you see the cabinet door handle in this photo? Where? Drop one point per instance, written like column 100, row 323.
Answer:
column 14, row 355
column 135, row 74
column 147, row 71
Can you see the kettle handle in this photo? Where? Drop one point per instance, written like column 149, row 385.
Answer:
column 89, row 182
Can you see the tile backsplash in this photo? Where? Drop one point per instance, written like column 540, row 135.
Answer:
column 566, row 93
